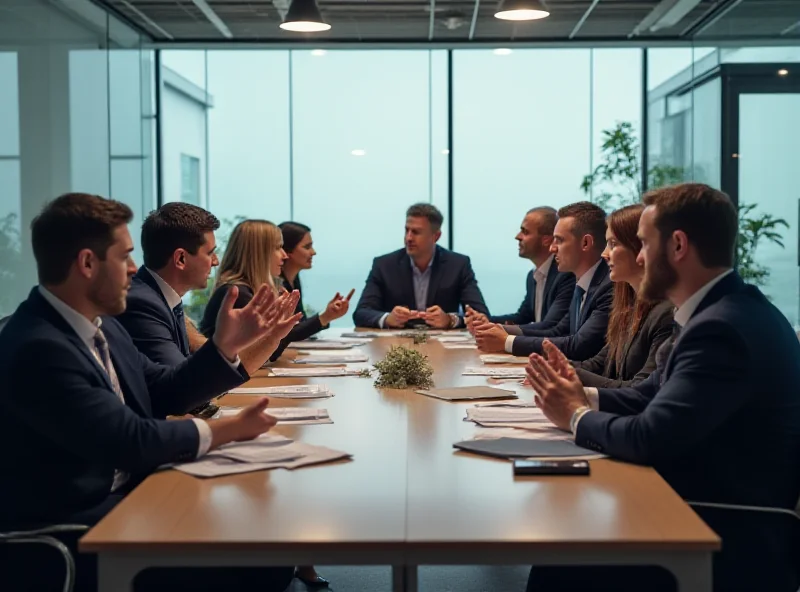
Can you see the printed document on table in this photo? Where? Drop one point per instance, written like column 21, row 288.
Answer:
column 494, row 372
column 286, row 415
column 299, row 391
column 503, row 359
column 309, row 372
column 331, row 358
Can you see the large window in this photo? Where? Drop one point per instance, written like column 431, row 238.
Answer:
column 73, row 117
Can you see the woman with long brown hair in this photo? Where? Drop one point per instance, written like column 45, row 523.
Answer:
column 636, row 328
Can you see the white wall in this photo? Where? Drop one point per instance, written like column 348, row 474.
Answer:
column 183, row 131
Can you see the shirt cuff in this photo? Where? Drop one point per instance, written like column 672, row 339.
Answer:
column 382, row 322
column 593, row 396
column 236, row 361
column 510, row 344
column 576, row 419
column 204, row 433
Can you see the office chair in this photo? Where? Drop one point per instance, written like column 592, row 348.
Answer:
column 45, row 536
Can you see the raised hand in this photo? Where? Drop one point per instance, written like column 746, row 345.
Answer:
column 336, row 308
column 238, row 328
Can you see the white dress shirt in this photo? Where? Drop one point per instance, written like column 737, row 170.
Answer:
column 584, row 282
column 86, row 330
column 170, row 295
column 682, row 316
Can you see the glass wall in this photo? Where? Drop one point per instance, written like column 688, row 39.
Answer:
column 75, row 115
column 345, row 141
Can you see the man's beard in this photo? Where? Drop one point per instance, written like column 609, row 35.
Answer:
column 659, row 277
column 110, row 302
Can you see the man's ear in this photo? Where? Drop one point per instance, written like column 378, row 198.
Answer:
column 437, row 236
column 678, row 245
column 547, row 240
column 86, row 263
column 179, row 258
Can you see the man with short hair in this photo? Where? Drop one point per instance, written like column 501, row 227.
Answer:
column 548, row 291
column 79, row 400
column 578, row 242
column 421, row 284
column 719, row 418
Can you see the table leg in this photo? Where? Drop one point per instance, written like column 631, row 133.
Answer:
column 115, row 574
column 692, row 572
column 404, row 578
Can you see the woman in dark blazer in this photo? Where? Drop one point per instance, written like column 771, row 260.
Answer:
column 300, row 253
column 636, row 328
column 255, row 256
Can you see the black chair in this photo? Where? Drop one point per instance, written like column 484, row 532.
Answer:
column 47, row 536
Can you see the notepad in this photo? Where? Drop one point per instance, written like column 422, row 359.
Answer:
column 468, row 393
column 525, row 448
column 490, row 415
column 300, row 391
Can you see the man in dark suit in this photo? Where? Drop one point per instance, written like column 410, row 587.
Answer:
column 720, row 417
column 78, row 400
column 548, row 292
column 579, row 239
column 179, row 250
column 421, row 284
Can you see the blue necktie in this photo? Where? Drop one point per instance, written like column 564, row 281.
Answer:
column 575, row 310
column 182, row 336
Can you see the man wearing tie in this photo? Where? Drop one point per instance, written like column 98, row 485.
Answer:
column 179, row 253
column 548, row 291
column 422, row 284
column 719, row 418
column 578, row 242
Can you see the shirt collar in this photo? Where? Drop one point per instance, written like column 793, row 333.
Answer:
column 586, row 279
column 170, row 295
column 427, row 269
column 544, row 269
column 685, row 312
column 85, row 328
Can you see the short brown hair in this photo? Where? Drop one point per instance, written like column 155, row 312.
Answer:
column 706, row 215
column 174, row 225
column 69, row 224
column 547, row 217
column 589, row 219
column 429, row 211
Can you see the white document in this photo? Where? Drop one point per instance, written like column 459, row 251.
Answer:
column 361, row 335
column 286, row 415
column 321, row 344
column 455, row 338
column 515, row 415
column 216, row 466
column 535, row 433
column 495, row 372
column 503, row 359
column 328, row 358
column 264, row 449
column 300, row 391
column 460, row 345
column 307, row 372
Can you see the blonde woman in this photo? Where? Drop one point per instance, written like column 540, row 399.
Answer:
column 255, row 256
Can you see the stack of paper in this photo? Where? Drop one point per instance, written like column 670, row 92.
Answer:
column 321, row 344
column 286, row 415
column 322, row 357
column 513, row 414
column 503, row 359
column 322, row 371
column 266, row 452
column 300, row 391
column 363, row 334
column 536, row 432
column 455, row 338
column 460, row 345
column 495, row 372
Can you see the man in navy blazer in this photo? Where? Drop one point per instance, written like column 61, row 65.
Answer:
column 578, row 242
column 421, row 284
column 179, row 250
column 548, row 291
column 78, row 399
column 720, row 418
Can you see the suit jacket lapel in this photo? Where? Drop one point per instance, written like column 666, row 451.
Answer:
column 148, row 279
column 599, row 275
column 552, row 274
column 129, row 391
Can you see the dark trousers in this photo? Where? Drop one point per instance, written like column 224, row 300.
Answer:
column 36, row 568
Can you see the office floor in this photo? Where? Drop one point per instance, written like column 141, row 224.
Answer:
column 431, row 579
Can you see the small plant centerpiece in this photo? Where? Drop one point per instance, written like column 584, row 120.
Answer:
column 404, row 367
column 418, row 335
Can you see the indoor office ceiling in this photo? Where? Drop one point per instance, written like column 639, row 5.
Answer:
column 390, row 21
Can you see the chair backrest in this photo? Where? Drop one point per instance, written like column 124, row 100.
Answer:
column 3, row 321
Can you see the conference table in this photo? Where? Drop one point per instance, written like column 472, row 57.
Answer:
column 405, row 498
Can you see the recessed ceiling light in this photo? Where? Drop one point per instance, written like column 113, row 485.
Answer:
column 318, row 52
column 358, row 152
column 502, row 51
column 783, row 72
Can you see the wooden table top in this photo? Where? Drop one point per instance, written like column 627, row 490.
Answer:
column 405, row 486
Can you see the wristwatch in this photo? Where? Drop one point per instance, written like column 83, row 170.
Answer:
column 453, row 320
